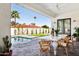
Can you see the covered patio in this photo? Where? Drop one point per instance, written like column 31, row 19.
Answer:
column 64, row 19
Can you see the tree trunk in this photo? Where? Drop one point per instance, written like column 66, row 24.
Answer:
column 15, row 27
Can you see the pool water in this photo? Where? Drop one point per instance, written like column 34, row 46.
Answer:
column 18, row 39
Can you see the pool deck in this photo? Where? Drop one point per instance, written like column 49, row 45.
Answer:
column 26, row 49
column 32, row 49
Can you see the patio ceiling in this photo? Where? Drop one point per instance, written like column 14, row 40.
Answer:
column 52, row 9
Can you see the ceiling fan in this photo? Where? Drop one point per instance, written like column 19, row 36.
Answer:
column 60, row 6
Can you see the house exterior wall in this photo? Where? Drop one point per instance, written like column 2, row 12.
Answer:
column 29, row 31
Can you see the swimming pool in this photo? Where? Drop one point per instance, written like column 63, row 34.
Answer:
column 19, row 39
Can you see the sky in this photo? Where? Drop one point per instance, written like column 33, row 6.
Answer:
column 27, row 16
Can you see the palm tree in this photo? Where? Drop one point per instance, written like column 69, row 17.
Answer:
column 34, row 20
column 15, row 15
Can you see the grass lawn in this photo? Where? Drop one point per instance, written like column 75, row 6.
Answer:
column 39, row 34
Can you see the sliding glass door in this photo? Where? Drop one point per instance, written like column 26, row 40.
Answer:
column 64, row 26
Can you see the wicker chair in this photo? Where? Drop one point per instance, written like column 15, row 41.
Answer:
column 66, row 42
column 44, row 47
column 62, row 44
column 70, row 42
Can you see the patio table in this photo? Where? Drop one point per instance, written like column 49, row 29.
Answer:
column 54, row 40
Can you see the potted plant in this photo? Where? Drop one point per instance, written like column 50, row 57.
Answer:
column 76, row 34
column 56, row 31
column 7, row 44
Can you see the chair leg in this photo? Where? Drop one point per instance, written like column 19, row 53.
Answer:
column 71, row 47
column 66, row 50
column 40, row 52
column 48, row 53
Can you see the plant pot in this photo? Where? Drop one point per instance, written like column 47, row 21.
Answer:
column 10, row 53
column 6, row 54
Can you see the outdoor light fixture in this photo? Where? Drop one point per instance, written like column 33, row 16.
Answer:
column 74, row 20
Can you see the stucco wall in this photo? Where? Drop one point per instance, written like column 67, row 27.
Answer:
column 4, row 21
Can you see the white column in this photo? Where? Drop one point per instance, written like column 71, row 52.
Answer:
column 4, row 21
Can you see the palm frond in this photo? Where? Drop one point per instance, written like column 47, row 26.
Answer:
column 15, row 14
